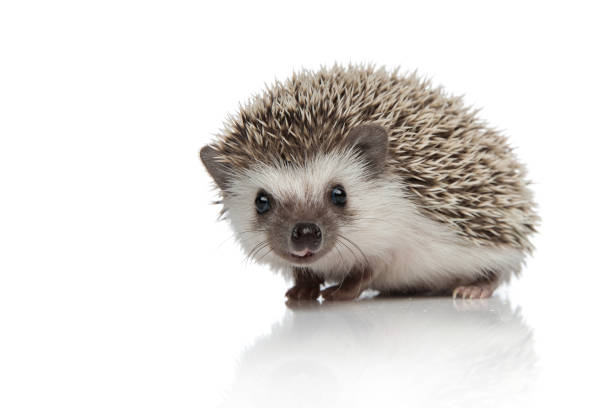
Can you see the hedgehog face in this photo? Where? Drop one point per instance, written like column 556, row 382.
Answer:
column 299, row 229
column 297, row 211
column 312, row 214
column 295, row 214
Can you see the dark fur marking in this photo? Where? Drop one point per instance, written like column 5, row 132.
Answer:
column 220, row 172
column 372, row 143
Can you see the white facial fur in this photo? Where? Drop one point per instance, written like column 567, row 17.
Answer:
column 403, row 248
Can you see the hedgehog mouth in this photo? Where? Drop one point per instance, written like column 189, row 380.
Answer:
column 304, row 257
column 302, row 254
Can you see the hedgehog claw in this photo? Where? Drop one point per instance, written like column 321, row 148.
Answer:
column 339, row 292
column 303, row 292
column 478, row 290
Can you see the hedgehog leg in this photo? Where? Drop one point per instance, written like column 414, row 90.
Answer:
column 307, row 285
column 478, row 290
column 351, row 287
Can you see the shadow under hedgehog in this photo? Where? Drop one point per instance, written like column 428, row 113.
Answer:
column 369, row 179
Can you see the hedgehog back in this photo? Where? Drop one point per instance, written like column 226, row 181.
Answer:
column 455, row 168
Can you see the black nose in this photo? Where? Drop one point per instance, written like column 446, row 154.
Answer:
column 305, row 236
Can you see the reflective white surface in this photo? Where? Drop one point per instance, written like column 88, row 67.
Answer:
column 119, row 289
column 453, row 353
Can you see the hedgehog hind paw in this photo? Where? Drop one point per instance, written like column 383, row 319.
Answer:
column 478, row 290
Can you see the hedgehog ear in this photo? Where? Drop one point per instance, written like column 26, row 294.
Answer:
column 372, row 142
column 219, row 171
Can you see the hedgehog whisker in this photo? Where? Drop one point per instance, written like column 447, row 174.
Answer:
column 261, row 247
column 365, row 258
column 264, row 255
column 251, row 231
column 256, row 249
column 342, row 258
column 225, row 241
column 340, row 254
column 355, row 256
column 238, row 235
column 361, row 280
column 350, row 249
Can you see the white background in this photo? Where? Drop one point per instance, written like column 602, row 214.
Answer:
column 118, row 288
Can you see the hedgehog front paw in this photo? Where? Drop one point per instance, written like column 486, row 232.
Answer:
column 351, row 286
column 304, row 291
column 341, row 292
column 307, row 285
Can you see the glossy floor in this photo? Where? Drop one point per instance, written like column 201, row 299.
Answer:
column 416, row 351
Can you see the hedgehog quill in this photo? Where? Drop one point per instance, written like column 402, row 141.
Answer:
column 360, row 178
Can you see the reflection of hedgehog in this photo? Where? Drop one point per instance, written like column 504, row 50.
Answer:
column 372, row 180
column 366, row 353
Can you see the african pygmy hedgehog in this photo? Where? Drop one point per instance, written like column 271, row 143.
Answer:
column 372, row 179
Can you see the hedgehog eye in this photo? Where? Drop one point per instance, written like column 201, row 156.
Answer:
column 338, row 196
column 262, row 202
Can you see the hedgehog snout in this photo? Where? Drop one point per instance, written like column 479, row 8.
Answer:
column 305, row 239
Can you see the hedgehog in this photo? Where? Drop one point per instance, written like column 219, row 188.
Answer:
column 353, row 178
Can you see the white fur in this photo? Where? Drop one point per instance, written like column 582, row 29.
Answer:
column 403, row 247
